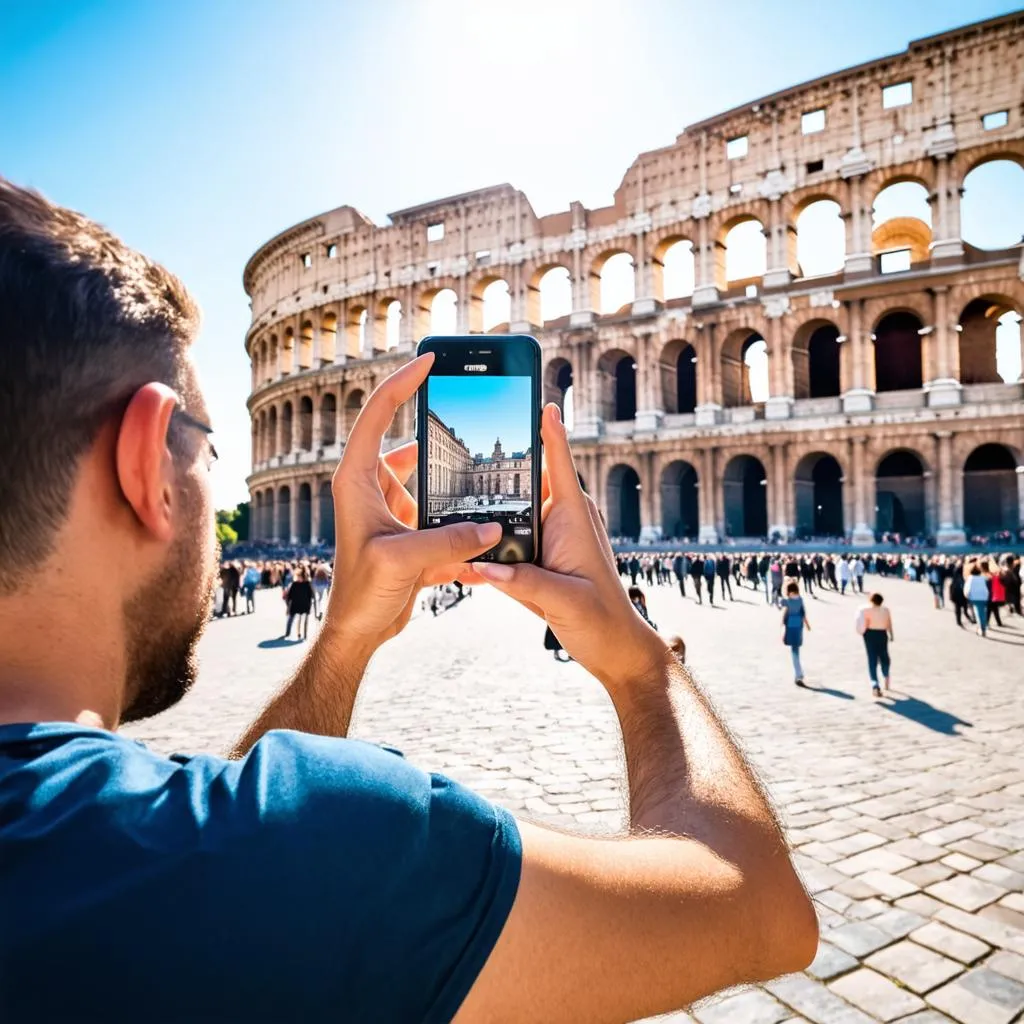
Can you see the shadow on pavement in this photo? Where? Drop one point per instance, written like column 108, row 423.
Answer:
column 925, row 714
column 828, row 689
column 278, row 641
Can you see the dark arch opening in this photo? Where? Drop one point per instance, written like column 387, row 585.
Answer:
column 819, row 497
column 678, row 365
column 680, row 507
column 284, row 514
column 326, row 499
column 898, row 353
column 744, row 484
column 625, row 389
column 286, row 428
column 624, row 502
column 328, row 420
column 991, row 496
column 304, row 527
column 823, row 362
column 306, row 423
column 899, row 495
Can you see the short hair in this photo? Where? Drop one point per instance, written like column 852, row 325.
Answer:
column 793, row 587
column 84, row 322
column 877, row 599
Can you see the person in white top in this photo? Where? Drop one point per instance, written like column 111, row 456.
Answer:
column 858, row 573
column 977, row 593
column 845, row 572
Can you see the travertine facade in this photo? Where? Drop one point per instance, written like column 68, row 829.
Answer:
column 882, row 383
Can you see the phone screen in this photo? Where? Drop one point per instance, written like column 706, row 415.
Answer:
column 479, row 448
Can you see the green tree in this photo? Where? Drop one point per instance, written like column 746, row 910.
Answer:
column 226, row 534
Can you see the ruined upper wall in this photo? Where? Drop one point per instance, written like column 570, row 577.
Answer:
column 956, row 77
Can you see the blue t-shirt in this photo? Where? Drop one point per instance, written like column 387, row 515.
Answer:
column 317, row 879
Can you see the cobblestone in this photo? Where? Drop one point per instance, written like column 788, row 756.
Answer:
column 923, row 788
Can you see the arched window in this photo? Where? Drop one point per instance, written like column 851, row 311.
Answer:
column 677, row 270
column 680, row 506
column 746, row 251
column 678, row 369
column 623, row 502
column 617, row 382
column 820, row 239
column 899, row 495
column 444, row 312
column 617, row 283
column 991, row 491
column 818, row 488
column 328, row 420
column 745, row 495
column 901, row 220
column 898, row 364
column 555, row 292
column 992, row 208
column 497, row 305
column 393, row 325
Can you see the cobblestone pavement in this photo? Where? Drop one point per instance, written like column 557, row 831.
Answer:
column 907, row 814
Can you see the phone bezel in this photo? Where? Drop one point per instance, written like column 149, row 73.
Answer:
column 520, row 355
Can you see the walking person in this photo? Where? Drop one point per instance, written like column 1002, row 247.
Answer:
column 321, row 584
column 858, row 573
column 723, row 566
column 709, row 577
column 681, row 566
column 299, row 600
column 875, row 624
column 996, row 593
column 794, row 621
column 775, row 571
column 845, row 574
column 553, row 644
column 961, row 606
column 696, row 575
column 250, row 581
column 807, row 573
column 639, row 602
column 937, row 581
column 634, row 568
column 830, row 573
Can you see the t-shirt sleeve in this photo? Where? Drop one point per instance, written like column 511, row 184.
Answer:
column 383, row 888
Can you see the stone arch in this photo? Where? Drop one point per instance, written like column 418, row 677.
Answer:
column 354, row 401
column 329, row 337
column 897, row 348
column 284, row 513
column 305, row 353
column 992, row 203
column 983, row 352
column 389, row 310
column 673, row 268
column 306, row 423
column 992, row 484
column 623, row 501
column 741, row 384
column 356, row 317
column 558, row 387
column 901, row 494
column 816, row 359
column 328, row 419
column 444, row 312
column 287, row 427
column 901, row 219
column 612, row 282
column 820, row 237
column 818, row 492
column 745, row 497
column 272, row 440
column 678, row 368
column 616, row 383
column 326, row 499
column 680, row 501
column 288, row 351
column 549, row 294
column 304, row 524
column 490, row 305
column 744, row 246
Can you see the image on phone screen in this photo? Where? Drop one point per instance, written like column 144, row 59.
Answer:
column 479, row 435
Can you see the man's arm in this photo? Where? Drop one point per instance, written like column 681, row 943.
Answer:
column 318, row 699
column 702, row 894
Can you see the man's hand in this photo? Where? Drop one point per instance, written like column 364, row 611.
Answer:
column 381, row 561
column 577, row 589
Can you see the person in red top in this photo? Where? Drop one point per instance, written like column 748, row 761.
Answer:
column 997, row 593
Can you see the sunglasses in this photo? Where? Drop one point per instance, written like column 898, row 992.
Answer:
column 190, row 421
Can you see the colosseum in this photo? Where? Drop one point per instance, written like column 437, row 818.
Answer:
column 776, row 330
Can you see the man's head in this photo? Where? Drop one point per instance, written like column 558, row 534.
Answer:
column 103, row 442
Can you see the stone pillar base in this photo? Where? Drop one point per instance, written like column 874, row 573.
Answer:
column 586, row 429
column 707, row 415
column 950, row 535
column 777, row 277
column 779, row 408
column 707, row 535
column 862, row 535
column 945, row 391
column 858, row 400
column 785, row 532
column 705, row 295
column 521, row 327
column 650, row 534
column 858, row 263
column 648, row 420
column 645, row 307
column 581, row 317
column 947, row 249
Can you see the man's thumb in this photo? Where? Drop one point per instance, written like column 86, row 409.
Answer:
column 526, row 582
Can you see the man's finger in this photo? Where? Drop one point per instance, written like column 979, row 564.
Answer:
column 562, row 477
column 551, row 592
column 402, row 460
column 372, row 423
column 420, row 551
column 399, row 501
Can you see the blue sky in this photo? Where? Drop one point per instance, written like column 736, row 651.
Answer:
column 482, row 409
column 198, row 129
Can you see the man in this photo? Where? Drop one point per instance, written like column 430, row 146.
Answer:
column 312, row 876
column 859, row 568
column 697, row 574
column 723, row 566
column 709, row 577
column 634, row 568
column 680, row 566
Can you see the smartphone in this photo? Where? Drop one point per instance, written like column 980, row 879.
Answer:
column 478, row 427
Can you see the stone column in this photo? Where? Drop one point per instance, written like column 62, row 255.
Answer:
column 864, row 496
column 649, row 414
column 370, row 331
column 780, row 363
column 947, row 532
column 294, row 539
column 317, row 357
column 279, row 440
column 777, row 274
column 314, row 512
column 859, row 393
column 587, row 416
column 706, row 497
column 942, row 349
column 859, row 259
column 705, row 290
column 709, row 385
column 650, row 504
column 520, row 322
column 777, row 493
column 946, row 241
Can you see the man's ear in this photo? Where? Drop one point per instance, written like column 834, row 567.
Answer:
column 145, row 469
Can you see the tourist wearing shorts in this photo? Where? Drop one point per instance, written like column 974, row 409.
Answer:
column 875, row 624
